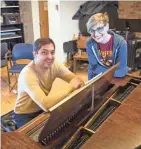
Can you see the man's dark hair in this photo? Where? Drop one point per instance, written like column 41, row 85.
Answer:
column 40, row 42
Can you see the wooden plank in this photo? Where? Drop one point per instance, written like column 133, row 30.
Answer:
column 136, row 74
column 15, row 140
column 121, row 81
column 123, row 128
column 34, row 123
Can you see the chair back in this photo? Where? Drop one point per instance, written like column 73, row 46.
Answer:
column 4, row 49
column 22, row 51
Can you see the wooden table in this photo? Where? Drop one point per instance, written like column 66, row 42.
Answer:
column 16, row 140
column 79, row 57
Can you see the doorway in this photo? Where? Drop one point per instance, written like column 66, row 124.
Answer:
column 43, row 13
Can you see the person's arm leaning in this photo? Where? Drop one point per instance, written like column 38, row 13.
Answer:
column 68, row 76
column 33, row 89
column 122, row 58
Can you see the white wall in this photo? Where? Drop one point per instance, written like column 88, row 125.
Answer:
column 69, row 27
column 61, row 26
column 35, row 19
column 54, row 26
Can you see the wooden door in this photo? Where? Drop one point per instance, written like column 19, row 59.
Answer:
column 43, row 13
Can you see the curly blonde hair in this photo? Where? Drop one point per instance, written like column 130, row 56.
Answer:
column 93, row 20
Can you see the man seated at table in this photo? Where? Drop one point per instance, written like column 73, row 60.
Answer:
column 35, row 82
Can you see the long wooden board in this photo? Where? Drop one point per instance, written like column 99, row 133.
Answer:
column 122, row 130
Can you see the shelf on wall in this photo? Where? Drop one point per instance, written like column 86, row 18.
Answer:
column 10, row 7
column 12, row 28
column 7, row 37
column 5, row 29
column 10, row 24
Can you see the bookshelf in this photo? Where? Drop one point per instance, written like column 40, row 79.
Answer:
column 11, row 26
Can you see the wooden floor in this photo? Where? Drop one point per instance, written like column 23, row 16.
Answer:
column 8, row 98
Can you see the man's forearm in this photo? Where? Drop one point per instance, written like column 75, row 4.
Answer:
column 56, row 96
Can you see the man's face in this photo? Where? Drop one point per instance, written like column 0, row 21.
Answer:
column 99, row 32
column 45, row 56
